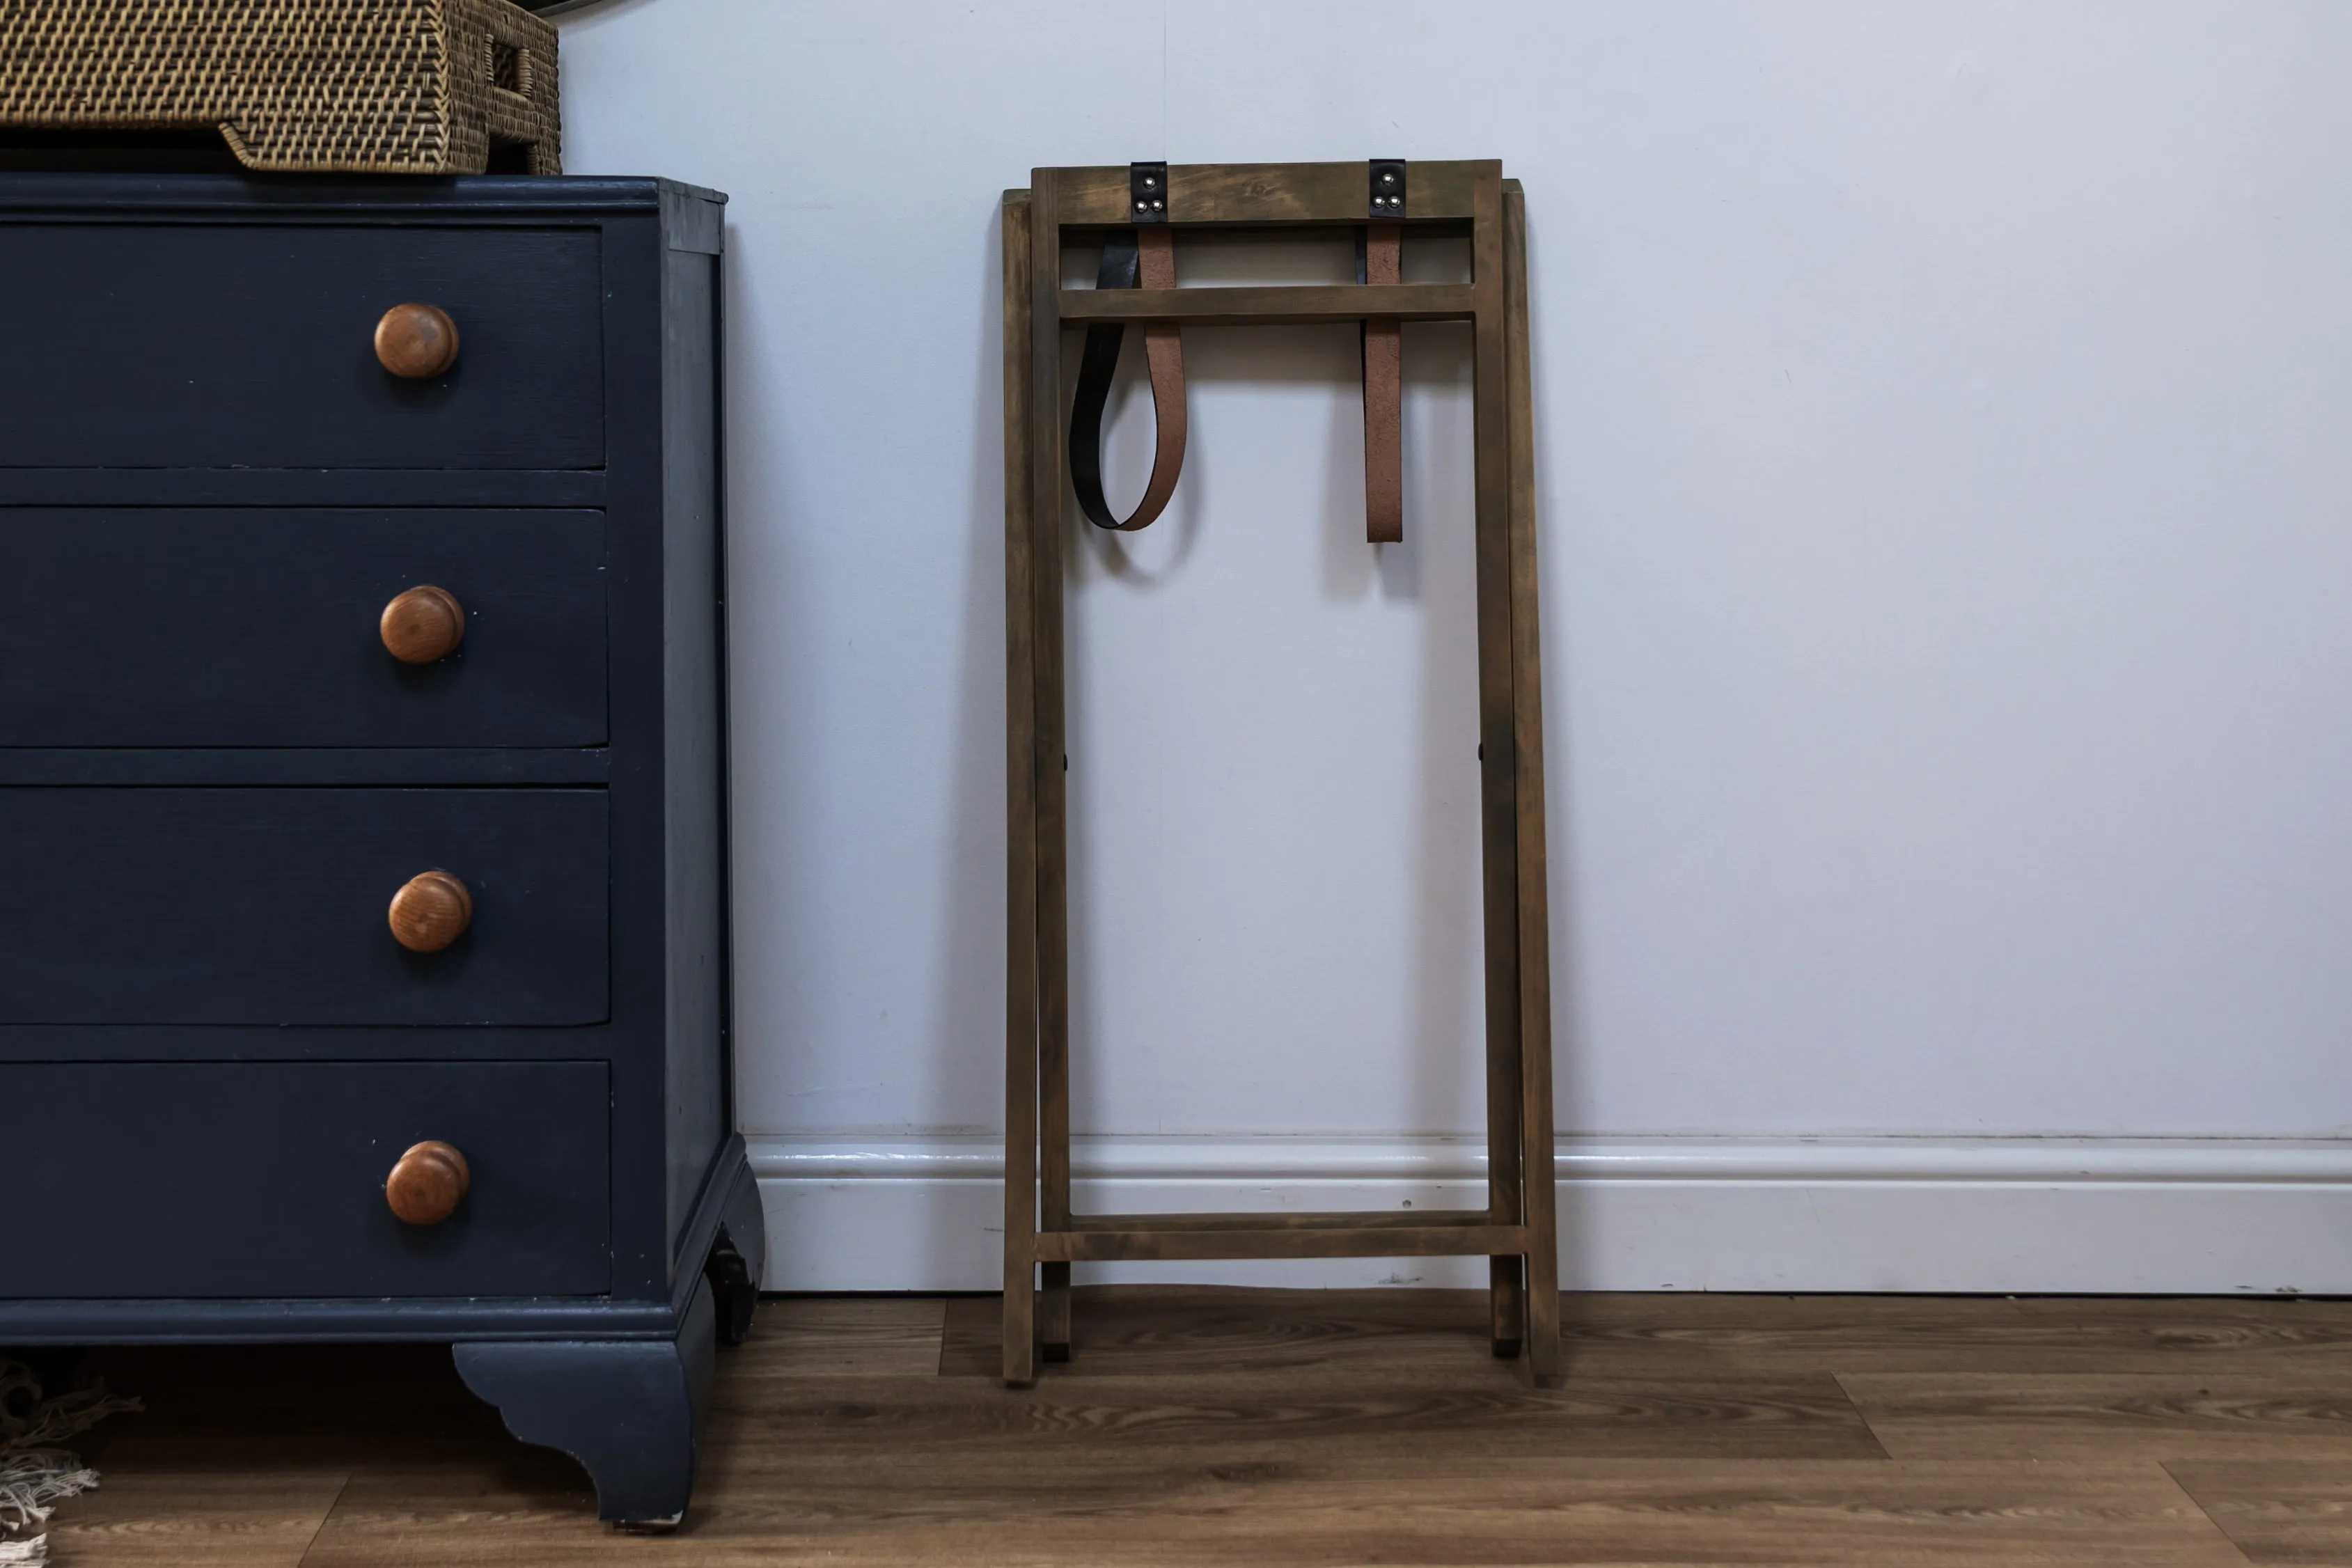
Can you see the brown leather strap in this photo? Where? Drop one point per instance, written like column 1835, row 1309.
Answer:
column 1383, row 397
column 1144, row 255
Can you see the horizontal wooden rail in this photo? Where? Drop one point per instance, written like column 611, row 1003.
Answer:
column 1313, row 1219
column 1272, row 192
column 1273, row 306
column 1157, row 1239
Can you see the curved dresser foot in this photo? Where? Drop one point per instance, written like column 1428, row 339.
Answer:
column 629, row 1410
column 739, row 1258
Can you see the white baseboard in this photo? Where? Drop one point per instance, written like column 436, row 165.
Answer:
column 1999, row 1215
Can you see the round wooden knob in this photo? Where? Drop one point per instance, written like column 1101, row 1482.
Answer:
column 417, row 341
column 431, row 910
column 427, row 1183
column 423, row 625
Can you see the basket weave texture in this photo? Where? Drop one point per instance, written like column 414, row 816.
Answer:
column 413, row 87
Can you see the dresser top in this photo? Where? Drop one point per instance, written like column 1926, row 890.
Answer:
column 114, row 195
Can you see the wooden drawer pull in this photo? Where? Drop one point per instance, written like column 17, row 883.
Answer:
column 427, row 1183
column 431, row 910
column 423, row 625
column 416, row 342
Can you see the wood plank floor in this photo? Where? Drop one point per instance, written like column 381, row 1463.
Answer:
column 1199, row 1426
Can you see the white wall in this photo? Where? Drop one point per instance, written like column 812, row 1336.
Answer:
column 1941, row 416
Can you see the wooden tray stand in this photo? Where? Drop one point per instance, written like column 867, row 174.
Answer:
column 1516, row 1230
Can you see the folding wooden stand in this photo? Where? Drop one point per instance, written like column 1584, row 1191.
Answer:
column 1515, row 1229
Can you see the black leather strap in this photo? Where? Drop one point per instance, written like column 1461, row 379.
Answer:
column 1123, row 267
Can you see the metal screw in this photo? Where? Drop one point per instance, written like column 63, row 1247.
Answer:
column 1155, row 207
column 1138, row 206
column 1149, row 181
column 1388, row 179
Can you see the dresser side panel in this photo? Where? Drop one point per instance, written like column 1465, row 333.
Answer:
column 698, row 1114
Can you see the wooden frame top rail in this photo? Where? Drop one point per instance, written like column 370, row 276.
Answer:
column 1273, row 305
column 1440, row 192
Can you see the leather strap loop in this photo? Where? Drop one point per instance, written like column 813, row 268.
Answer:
column 1148, row 254
column 1383, row 395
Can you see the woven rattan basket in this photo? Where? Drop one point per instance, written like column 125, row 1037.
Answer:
column 409, row 86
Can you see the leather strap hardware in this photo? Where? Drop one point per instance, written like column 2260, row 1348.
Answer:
column 1143, row 256
column 1147, row 191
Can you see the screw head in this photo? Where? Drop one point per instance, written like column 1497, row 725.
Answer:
column 1149, row 181
column 1156, row 205
column 1138, row 206
column 1389, row 178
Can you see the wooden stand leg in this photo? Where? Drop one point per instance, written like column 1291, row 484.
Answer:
column 1052, row 773
column 1534, row 922
column 1507, row 1303
column 1053, row 1312
column 1505, row 1201
column 1021, row 818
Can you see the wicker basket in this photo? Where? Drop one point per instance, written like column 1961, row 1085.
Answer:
column 409, row 86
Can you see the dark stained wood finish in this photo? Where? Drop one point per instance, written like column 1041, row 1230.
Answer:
column 1021, row 802
column 1312, row 1219
column 427, row 1182
column 1248, row 1427
column 1530, row 874
column 1270, row 305
column 1517, row 1228
column 416, row 343
column 1333, row 194
column 1050, row 754
column 1150, row 1237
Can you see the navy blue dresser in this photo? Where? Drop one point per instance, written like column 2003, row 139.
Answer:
column 227, row 1056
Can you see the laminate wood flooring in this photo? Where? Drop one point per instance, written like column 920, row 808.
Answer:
column 1212, row 1425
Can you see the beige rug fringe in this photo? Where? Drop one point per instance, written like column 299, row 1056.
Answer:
column 36, row 1476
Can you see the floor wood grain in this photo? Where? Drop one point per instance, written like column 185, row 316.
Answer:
column 2277, row 1511
column 1287, row 1427
column 244, row 1517
column 2213, row 1414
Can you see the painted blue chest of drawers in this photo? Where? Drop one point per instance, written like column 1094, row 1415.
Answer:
column 214, row 778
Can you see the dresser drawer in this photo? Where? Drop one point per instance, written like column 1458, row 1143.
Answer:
column 267, row 1179
column 237, row 627
column 270, row 906
column 254, row 346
